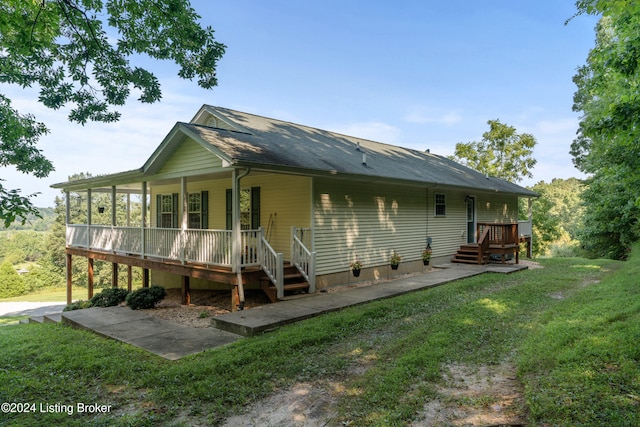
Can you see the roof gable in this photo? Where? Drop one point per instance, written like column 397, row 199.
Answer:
column 172, row 154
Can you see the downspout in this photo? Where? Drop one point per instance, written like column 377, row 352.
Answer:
column 237, row 237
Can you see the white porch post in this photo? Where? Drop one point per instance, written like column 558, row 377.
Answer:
column 114, row 220
column 67, row 208
column 143, row 222
column 184, row 224
column 235, row 222
column 128, row 209
column 236, row 234
column 89, row 218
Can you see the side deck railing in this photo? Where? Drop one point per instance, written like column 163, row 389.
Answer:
column 499, row 234
column 499, row 239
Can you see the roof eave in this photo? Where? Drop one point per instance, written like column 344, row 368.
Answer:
column 110, row 180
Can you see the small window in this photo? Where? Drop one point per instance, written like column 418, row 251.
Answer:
column 440, row 205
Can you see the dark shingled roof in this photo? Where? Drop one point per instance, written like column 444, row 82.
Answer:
column 247, row 140
column 270, row 143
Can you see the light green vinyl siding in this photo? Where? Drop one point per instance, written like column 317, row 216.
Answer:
column 190, row 158
column 367, row 222
column 284, row 199
column 447, row 232
column 497, row 208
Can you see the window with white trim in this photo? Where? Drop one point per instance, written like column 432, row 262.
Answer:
column 167, row 211
column 195, row 210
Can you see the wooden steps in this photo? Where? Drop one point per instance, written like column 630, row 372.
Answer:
column 294, row 284
column 470, row 254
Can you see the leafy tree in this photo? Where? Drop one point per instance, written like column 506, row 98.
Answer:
column 41, row 221
column 55, row 258
column 546, row 228
column 558, row 216
column 611, row 215
column 80, row 53
column 41, row 275
column 11, row 284
column 502, row 153
column 21, row 246
column 566, row 203
column 607, row 146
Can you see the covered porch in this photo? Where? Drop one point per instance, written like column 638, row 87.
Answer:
column 123, row 236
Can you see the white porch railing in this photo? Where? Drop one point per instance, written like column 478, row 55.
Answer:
column 525, row 228
column 211, row 247
column 301, row 257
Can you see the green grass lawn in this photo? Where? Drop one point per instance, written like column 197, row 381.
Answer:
column 11, row 320
column 46, row 295
column 572, row 328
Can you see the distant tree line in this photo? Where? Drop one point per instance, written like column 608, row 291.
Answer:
column 42, row 252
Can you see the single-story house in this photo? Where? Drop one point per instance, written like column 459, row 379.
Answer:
column 235, row 200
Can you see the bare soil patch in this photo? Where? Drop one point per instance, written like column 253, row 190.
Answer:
column 476, row 396
column 204, row 305
column 208, row 303
column 471, row 396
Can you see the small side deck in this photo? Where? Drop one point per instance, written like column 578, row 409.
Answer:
column 499, row 240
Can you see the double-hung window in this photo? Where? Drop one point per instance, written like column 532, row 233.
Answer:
column 197, row 210
column 440, row 205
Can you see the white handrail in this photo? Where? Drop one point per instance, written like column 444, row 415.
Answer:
column 273, row 266
column 302, row 258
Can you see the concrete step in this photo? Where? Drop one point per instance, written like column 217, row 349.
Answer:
column 53, row 318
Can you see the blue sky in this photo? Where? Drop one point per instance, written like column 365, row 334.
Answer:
column 420, row 74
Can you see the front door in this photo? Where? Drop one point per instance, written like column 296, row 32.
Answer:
column 471, row 219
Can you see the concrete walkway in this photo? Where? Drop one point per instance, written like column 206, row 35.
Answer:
column 173, row 341
column 21, row 308
column 163, row 338
column 268, row 317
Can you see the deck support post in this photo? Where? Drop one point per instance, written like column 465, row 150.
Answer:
column 90, row 278
column 145, row 277
column 186, row 290
column 235, row 298
column 129, row 277
column 114, row 274
column 69, row 277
